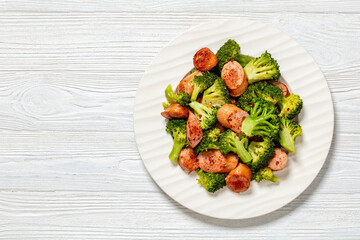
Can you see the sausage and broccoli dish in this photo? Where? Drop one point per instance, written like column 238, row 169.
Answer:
column 231, row 119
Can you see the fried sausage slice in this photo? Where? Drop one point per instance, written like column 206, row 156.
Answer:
column 238, row 180
column 214, row 161
column 234, row 78
column 230, row 116
column 194, row 131
column 279, row 160
column 175, row 110
column 205, row 59
column 187, row 160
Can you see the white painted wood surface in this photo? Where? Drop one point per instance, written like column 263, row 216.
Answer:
column 69, row 166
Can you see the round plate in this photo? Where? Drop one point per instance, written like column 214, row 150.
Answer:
column 299, row 71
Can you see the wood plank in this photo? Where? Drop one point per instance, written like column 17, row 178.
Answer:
column 187, row 6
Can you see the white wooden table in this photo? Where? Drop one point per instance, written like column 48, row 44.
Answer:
column 69, row 166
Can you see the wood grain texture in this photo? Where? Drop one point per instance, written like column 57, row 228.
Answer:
column 69, row 166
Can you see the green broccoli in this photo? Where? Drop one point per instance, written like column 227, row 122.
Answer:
column 260, row 121
column 182, row 98
column 230, row 50
column 269, row 92
column 289, row 130
column 262, row 68
column 265, row 174
column 216, row 95
column 201, row 83
column 211, row 181
column 245, row 100
column 206, row 115
column 242, row 59
column 231, row 142
column 210, row 140
column 177, row 129
column 261, row 153
column 290, row 106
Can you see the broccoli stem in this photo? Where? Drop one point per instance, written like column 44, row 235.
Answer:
column 273, row 179
column 195, row 93
column 175, row 152
column 242, row 152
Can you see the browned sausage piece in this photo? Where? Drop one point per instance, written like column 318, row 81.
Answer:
column 214, row 161
column 282, row 86
column 194, row 131
column 175, row 110
column 232, row 160
column 205, row 59
column 187, row 160
column 185, row 85
column 279, row 160
column 240, row 90
column 234, row 78
column 230, row 116
column 238, row 180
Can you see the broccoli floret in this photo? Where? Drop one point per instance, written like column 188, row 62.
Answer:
column 231, row 142
column 245, row 100
column 265, row 174
column 260, row 121
column 269, row 92
column 242, row 59
column 177, row 129
column 206, row 115
column 216, row 95
column 201, row 83
column 182, row 98
column 262, row 68
column 290, row 106
column 261, row 153
column 228, row 51
column 289, row 130
column 211, row 181
column 210, row 140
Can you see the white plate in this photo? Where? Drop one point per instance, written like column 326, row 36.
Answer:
column 298, row 70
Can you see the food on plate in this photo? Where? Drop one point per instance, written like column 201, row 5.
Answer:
column 205, row 59
column 210, row 140
column 175, row 110
column 279, row 160
column 214, row 161
column 289, row 131
column 262, row 120
column 177, row 129
column 234, row 78
column 231, row 119
column 201, row 83
column 193, row 130
column 211, row 181
column 265, row 174
column 290, row 106
column 238, row 180
column 262, row 68
column 230, row 116
column 216, row 95
column 206, row 115
column 231, row 142
column 181, row 98
column 187, row 160
column 185, row 84
column 282, row 86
